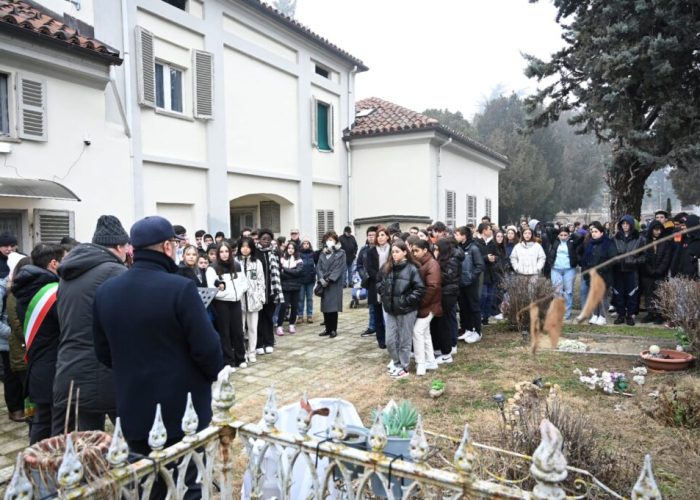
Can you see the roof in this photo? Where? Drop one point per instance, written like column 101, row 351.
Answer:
column 22, row 17
column 375, row 116
column 299, row 28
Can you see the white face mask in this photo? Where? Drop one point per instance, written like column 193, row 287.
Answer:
column 330, row 244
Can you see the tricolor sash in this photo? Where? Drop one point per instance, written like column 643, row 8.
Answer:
column 36, row 312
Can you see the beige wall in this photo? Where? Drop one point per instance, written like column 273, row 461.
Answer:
column 177, row 192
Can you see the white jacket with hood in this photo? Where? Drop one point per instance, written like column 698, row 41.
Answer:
column 528, row 258
column 236, row 285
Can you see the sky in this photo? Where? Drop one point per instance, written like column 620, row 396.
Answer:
column 437, row 53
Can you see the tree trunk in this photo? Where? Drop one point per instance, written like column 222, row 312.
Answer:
column 626, row 179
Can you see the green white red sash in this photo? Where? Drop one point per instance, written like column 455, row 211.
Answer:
column 36, row 312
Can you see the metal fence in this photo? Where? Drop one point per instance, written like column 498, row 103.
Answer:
column 331, row 468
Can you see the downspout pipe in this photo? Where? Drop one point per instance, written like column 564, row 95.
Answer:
column 126, row 57
column 438, row 176
column 348, row 149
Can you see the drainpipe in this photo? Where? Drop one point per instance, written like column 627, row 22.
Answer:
column 126, row 50
column 439, row 175
column 351, row 114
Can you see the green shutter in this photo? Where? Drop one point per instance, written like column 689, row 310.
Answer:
column 322, row 127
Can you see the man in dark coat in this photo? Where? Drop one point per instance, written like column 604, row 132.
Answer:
column 349, row 245
column 364, row 275
column 84, row 269
column 685, row 259
column 487, row 246
column 626, row 272
column 151, row 328
column 35, row 288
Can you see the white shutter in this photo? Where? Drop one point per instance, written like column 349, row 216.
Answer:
column 331, row 126
column 320, row 226
column 471, row 209
column 450, row 208
column 203, row 63
column 330, row 220
column 314, row 118
column 50, row 226
column 145, row 67
column 31, row 108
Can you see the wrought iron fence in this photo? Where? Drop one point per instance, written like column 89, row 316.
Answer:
column 332, row 468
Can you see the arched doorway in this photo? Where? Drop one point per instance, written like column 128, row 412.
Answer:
column 261, row 210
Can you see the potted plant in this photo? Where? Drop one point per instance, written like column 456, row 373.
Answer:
column 437, row 387
column 400, row 421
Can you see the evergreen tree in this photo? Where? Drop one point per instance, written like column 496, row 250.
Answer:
column 286, row 7
column 631, row 71
column 455, row 121
column 686, row 184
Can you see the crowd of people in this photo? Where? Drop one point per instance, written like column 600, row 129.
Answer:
column 125, row 306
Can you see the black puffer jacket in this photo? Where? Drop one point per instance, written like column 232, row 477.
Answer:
column 308, row 271
column 685, row 260
column 490, row 268
column 451, row 269
column 552, row 254
column 401, row 289
column 291, row 271
column 85, row 268
column 657, row 259
column 596, row 252
column 41, row 355
column 625, row 243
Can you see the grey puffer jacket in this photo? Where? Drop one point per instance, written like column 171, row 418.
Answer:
column 401, row 289
column 84, row 269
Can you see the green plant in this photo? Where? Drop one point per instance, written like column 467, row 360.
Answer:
column 399, row 419
column 437, row 385
column 681, row 338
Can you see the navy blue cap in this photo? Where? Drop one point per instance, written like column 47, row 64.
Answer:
column 151, row 230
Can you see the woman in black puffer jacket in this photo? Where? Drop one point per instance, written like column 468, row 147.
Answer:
column 441, row 328
column 308, row 280
column 657, row 262
column 401, row 288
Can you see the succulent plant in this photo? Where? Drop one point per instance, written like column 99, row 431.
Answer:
column 437, row 385
column 399, row 419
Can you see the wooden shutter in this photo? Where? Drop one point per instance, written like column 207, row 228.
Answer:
column 314, row 116
column 331, row 124
column 330, row 220
column 50, row 226
column 270, row 216
column 320, row 227
column 31, row 106
column 145, row 67
column 203, row 63
column 487, row 207
column 471, row 209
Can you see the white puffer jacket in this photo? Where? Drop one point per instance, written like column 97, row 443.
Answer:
column 236, row 286
column 528, row 258
column 255, row 296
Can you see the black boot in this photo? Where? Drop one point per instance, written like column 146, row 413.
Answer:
column 324, row 334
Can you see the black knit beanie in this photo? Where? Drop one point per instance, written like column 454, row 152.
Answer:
column 7, row 239
column 109, row 232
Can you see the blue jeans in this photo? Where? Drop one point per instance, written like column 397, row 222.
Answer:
column 487, row 294
column 372, row 320
column 563, row 283
column 585, row 285
column 351, row 273
column 306, row 294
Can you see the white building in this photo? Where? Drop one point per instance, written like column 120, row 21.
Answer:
column 57, row 144
column 408, row 168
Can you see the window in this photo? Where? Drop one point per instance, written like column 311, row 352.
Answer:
column 322, row 131
column 180, row 4
column 325, row 221
column 4, row 105
column 168, row 88
column 322, row 71
column 487, row 207
column 450, row 208
column 52, row 225
column 471, row 209
column 270, row 216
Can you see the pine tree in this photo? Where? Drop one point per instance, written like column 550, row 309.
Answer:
column 630, row 70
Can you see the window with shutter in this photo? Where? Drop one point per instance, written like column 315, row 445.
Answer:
column 145, row 67
column 471, row 209
column 487, row 207
column 270, row 216
column 314, row 119
column 31, row 103
column 331, row 127
column 203, row 85
column 320, row 227
column 4, row 104
column 450, row 209
column 50, row 226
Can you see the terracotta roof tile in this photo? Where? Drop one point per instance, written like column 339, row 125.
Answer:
column 374, row 116
column 24, row 16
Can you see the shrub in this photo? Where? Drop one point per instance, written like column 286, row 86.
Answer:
column 519, row 292
column 677, row 405
column 678, row 300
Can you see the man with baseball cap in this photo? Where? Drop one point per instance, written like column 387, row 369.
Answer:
column 151, row 328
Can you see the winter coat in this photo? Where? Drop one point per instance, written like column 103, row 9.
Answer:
column 151, row 328
column 573, row 253
column 273, row 283
column 473, row 264
column 291, row 273
column 657, row 259
column 450, row 272
column 361, row 260
column 685, row 260
column 332, row 267
column 349, row 246
column 197, row 275
column 401, row 289
column 235, row 284
column 254, row 297
column 626, row 243
column 371, row 266
column 17, row 347
column 308, row 272
column 431, row 275
column 5, row 329
column 41, row 356
column 82, row 271
column 528, row 258
column 596, row 252
column 490, row 268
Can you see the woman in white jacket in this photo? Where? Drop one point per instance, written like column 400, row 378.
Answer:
column 254, row 298
column 226, row 275
column 527, row 257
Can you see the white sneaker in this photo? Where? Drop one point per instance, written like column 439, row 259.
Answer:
column 454, row 351
column 498, row 317
column 252, row 358
column 593, row 320
column 473, row 337
column 420, row 369
column 243, row 365
column 390, row 366
column 464, row 335
column 269, row 350
column 431, row 365
column 444, row 359
column 395, row 371
column 259, row 350
column 601, row 321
